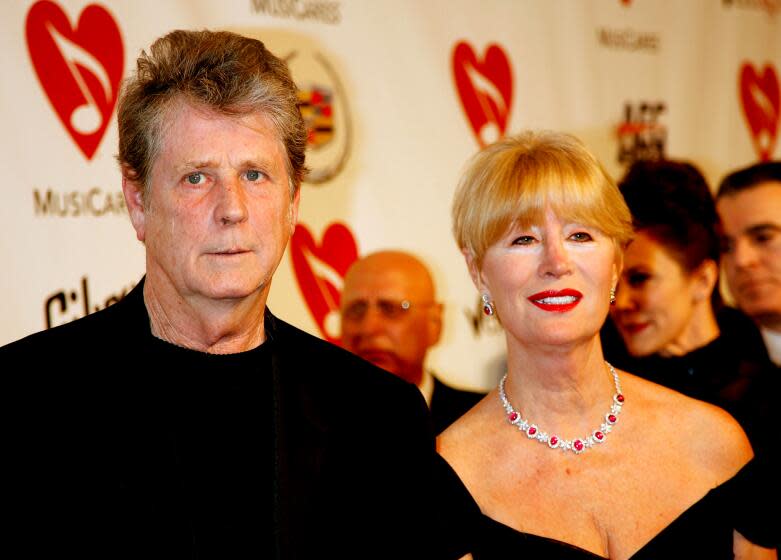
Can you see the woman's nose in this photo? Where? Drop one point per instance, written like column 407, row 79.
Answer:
column 555, row 259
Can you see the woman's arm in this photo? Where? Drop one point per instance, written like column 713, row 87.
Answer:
column 744, row 549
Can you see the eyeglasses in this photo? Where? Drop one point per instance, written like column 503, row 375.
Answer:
column 388, row 308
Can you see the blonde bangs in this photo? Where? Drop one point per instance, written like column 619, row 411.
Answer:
column 513, row 181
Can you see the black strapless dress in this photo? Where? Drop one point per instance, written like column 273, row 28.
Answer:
column 704, row 530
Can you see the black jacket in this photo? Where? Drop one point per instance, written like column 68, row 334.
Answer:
column 123, row 446
column 449, row 404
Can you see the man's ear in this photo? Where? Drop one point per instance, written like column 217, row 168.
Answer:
column 134, row 200
column 294, row 210
column 434, row 323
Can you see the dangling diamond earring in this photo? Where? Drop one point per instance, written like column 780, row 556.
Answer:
column 612, row 296
column 488, row 305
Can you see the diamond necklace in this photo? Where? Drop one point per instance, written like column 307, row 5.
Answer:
column 578, row 445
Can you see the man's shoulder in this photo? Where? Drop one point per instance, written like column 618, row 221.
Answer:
column 96, row 330
column 448, row 404
column 324, row 362
column 449, row 392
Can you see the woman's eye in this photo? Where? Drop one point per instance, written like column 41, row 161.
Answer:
column 523, row 240
column 581, row 236
column 195, row 178
column 254, row 175
column 637, row 279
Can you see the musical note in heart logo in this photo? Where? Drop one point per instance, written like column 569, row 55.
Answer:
column 320, row 272
column 79, row 67
column 485, row 89
column 761, row 101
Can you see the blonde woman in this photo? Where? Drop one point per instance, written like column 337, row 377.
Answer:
column 568, row 457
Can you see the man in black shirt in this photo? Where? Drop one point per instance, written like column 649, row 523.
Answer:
column 186, row 421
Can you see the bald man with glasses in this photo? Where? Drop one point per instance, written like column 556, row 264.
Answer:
column 390, row 317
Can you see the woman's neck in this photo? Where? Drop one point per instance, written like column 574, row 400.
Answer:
column 561, row 389
column 701, row 329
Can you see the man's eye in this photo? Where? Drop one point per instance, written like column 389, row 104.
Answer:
column 581, row 236
column 764, row 237
column 195, row 178
column 253, row 175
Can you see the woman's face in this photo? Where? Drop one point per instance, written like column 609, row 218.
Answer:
column 655, row 299
column 550, row 282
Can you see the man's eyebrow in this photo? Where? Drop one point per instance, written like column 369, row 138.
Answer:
column 763, row 227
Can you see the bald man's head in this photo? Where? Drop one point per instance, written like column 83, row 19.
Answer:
column 390, row 316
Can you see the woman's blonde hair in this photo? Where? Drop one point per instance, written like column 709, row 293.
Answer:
column 514, row 180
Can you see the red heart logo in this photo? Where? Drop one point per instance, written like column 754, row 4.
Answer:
column 761, row 102
column 485, row 89
column 79, row 68
column 320, row 272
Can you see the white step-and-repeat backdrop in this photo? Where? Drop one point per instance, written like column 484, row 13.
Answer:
column 399, row 94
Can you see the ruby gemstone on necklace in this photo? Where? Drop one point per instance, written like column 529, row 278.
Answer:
column 577, row 446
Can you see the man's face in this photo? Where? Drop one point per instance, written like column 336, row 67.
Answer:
column 375, row 323
column 218, row 212
column 752, row 259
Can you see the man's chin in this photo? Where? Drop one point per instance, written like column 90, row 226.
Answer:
column 384, row 360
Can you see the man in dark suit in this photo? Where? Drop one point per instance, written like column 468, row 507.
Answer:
column 391, row 318
column 749, row 205
column 186, row 421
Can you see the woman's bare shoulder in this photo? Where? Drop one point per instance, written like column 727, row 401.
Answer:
column 468, row 441
column 709, row 433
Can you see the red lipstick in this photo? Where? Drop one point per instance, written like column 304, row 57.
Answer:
column 557, row 301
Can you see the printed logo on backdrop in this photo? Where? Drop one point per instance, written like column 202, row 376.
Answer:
column 485, row 88
column 73, row 204
column 78, row 66
column 627, row 38
column 302, row 10
column 320, row 270
column 761, row 103
column 641, row 135
column 769, row 6
column 325, row 109
column 68, row 304
column 323, row 100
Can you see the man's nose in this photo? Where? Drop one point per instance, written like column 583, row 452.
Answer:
column 373, row 320
column 744, row 253
column 231, row 205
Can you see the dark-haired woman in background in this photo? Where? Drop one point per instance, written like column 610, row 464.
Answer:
column 668, row 311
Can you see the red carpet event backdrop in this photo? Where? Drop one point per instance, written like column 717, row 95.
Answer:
column 398, row 94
